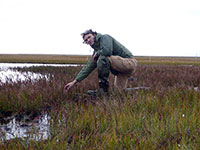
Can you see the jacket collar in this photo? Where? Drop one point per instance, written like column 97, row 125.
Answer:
column 98, row 36
column 97, row 41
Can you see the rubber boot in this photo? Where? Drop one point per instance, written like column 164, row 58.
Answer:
column 103, row 66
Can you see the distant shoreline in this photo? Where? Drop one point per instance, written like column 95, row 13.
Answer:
column 82, row 59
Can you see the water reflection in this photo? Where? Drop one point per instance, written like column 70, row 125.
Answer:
column 39, row 128
column 12, row 65
column 13, row 75
column 9, row 74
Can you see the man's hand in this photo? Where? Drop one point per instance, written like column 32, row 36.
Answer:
column 69, row 85
column 95, row 57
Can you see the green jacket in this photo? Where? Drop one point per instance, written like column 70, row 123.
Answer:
column 104, row 45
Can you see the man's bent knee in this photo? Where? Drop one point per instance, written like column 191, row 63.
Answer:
column 123, row 65
column 103, row 61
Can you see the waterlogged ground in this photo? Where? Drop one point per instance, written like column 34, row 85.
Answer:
column 25, row 127
column 12, row 127
column 8, row 71
column 164, row 116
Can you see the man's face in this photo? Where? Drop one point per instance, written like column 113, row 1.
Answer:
column 89, row 39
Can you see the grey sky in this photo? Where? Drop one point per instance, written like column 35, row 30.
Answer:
column 156, row 27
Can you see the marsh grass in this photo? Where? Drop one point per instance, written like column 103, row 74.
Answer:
column 144, row 122
column 164, row 117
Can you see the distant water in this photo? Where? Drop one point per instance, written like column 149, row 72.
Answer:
column 12, row 65
column 7, row 73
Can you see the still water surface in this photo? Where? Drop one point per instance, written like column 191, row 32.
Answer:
column 8, row 73
column 36, row 129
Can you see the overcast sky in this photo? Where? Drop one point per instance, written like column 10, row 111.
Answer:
column 145, row 27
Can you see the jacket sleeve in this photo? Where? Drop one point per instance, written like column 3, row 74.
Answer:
column 106, row 46
column 86, row 70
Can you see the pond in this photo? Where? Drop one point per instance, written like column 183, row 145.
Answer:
column 36, row 129
column 11, row 127
column 8, row 73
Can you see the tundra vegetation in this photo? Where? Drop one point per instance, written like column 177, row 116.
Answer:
column 166, row 116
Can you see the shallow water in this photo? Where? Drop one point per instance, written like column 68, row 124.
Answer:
column 36, row 129
column 7, row 73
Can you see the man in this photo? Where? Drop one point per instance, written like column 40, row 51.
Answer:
column 108, row 56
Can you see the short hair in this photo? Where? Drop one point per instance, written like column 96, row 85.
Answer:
column 88, row 32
